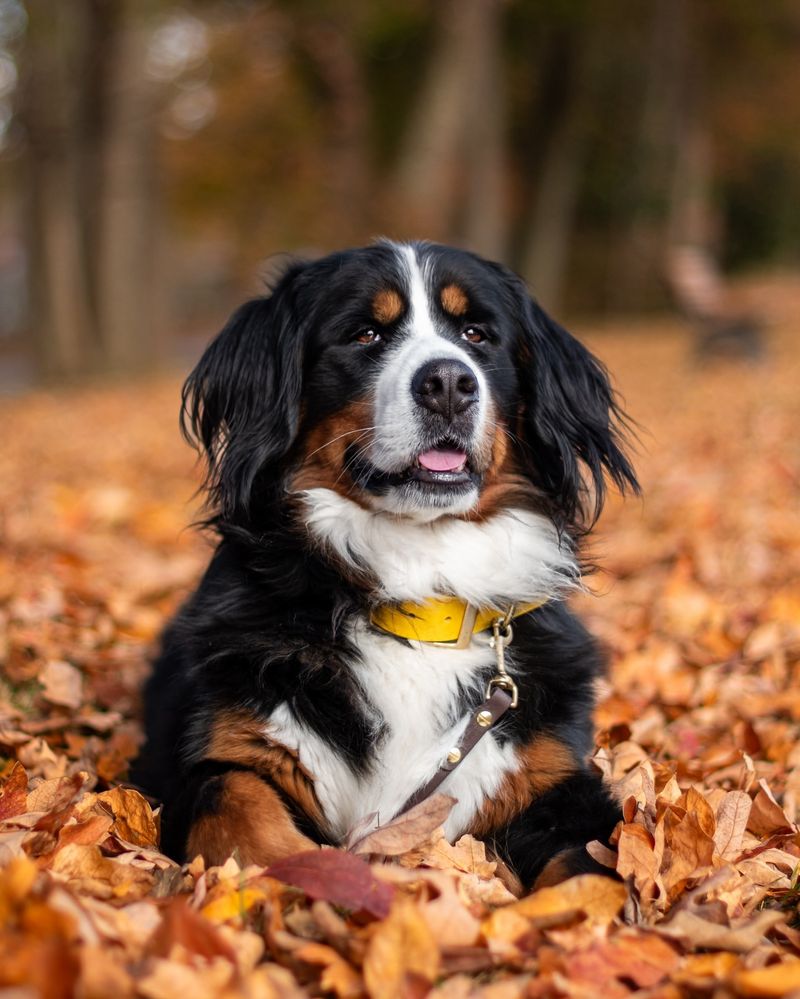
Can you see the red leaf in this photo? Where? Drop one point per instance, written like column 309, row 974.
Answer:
column 337, row 877
column 14, row 792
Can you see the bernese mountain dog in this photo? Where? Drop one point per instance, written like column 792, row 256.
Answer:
column 404, row 452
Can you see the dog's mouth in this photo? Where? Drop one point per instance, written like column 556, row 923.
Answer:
column 443, row 467
column 445, row 464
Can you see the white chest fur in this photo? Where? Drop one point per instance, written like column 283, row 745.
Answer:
column 414, row 691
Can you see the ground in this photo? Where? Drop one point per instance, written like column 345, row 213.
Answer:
column 698, row 601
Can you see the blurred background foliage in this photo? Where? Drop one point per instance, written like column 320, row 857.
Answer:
column 157, row 156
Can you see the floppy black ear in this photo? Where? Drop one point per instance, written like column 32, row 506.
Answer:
column 241, row 403
column 573, row 426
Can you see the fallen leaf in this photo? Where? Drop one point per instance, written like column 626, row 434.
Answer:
column 599, row 898
column 133, row 817
column 642, row 958
column 234, row 904
column 766, row 815
column 337, row 877
column 732, row 816
column 13, row 792
column 193, row 932
column 408, row 830
column 694, row 931
column 337, row 975
column 776, row 980
column 401, row 954
column 63, row 684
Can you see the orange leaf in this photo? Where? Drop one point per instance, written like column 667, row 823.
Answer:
column 776, row 980
column 133, row 817
column 402, row 951
column 598, row 897
column 337, row 975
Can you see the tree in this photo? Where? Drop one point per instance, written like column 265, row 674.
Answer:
column 87, row 109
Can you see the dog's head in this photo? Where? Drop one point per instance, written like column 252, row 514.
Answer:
column 416, row 379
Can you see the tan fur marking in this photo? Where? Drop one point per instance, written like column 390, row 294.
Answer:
column 387, row 306
column 504, row 486
column 252, row 820
column 556, row 870
column 543, row 763
column 325, row 447
column 239, row 738
column 454, row 300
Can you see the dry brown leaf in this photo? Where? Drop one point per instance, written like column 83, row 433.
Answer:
column 337, row 975
column 63, row 684
column 597, row 897
column 85, row 869
column 731, row 821
column 467, row 854
column 13, row 792
column 740, row 937
column 133, row 817
column 401, row 953
column 168, row 979
column 636, row 858
column 701, row 971
column 450, row 921
column 688, row 843
column 766, row 816
column 642, row 958
column 408, row 830
column 776, row 980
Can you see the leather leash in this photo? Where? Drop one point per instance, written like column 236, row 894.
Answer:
column 481, row 722
column 501, row 695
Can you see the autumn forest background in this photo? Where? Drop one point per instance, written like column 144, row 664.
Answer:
column 639, row 164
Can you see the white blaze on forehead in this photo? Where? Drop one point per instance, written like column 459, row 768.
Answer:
column 420, row 321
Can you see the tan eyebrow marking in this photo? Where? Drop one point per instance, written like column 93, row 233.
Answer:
column 454, row 300
column 387, row 306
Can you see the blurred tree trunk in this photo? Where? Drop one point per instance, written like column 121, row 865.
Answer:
column 88, row 176
column 545, row 255
column 330, row 46
column 485, row 225
column 127, row 262
column 644, row 241
column 450, row 174
column 59, row 293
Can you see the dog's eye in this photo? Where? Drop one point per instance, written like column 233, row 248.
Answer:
column 368, row 336
column 474, row 334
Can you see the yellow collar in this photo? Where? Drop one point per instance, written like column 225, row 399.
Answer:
column 444, row 621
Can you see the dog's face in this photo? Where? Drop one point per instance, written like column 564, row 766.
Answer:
column 415, row 379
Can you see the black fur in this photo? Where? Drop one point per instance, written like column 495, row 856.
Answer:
column 265, row 626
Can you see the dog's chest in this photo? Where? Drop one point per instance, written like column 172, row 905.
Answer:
column 418, row 699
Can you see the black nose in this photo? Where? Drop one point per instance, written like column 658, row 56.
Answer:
column 445, row 386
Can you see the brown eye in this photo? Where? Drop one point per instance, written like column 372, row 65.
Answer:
column 368, row 336
column 473, row 334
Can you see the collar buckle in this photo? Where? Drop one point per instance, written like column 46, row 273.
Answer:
column 465, row 632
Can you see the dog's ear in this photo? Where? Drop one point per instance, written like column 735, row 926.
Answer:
column 572, row 424
column 241, row 404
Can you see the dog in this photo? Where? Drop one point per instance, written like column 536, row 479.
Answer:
column 404, row 453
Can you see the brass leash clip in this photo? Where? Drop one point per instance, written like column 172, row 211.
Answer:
column 502, row 635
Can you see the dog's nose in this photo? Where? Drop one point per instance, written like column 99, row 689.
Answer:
column 446, row 386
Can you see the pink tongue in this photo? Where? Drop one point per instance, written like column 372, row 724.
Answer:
column 442, row 461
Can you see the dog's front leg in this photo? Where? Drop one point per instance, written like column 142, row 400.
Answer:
column 546, row 843
column 233, row 811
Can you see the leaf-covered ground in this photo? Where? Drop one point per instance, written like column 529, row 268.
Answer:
column 698, row 602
